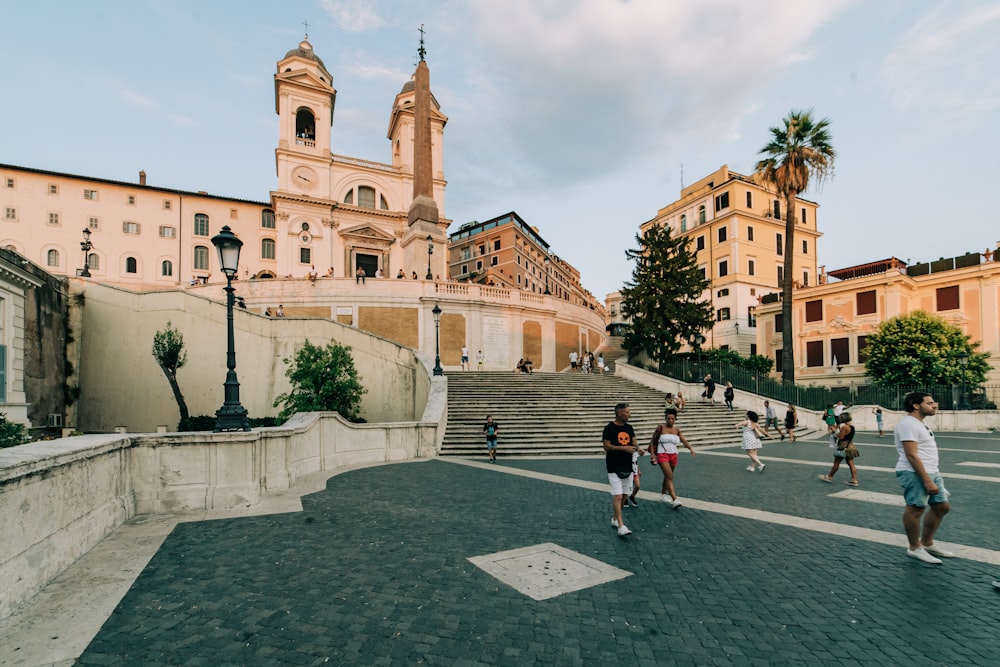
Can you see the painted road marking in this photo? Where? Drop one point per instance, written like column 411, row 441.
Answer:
column 977, row 464
column 828, row 527
column 870, row 497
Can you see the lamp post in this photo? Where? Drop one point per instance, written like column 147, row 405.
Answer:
column 86, row 246
column 737, row 346
column 437, row 340
column 231, row 416
column 430, row 251
column 963, row 361
column 547, row 276
column 698, row 340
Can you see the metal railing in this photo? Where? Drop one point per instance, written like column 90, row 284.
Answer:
column 949, row 397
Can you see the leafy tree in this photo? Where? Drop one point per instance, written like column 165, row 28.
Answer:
column 756, row 363
column 921, row 348
column 323, row 379
column 11, row 433
column 799, row 152
column 168, row 350
column 664, row 297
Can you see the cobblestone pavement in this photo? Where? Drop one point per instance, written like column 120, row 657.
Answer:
column 374, row 570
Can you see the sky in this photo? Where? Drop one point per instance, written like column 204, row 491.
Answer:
column 585, row 117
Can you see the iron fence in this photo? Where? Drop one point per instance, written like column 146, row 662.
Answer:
column 949, row 397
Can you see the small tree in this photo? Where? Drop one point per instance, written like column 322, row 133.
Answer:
column 11, row 433
column 168, row 350
column 665, row 296
column 924, row 349
column 323, row 379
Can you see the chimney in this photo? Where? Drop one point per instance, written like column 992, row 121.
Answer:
column 142, row 177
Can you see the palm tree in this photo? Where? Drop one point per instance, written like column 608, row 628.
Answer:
column 798, row 153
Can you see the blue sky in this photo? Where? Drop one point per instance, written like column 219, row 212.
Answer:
column 578, row 115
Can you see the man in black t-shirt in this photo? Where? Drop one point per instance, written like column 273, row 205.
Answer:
column 619, row 445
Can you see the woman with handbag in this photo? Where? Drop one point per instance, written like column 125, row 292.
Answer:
column 845, row 451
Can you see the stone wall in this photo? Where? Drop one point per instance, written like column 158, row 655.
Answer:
column 60, row 498
column 122, row 385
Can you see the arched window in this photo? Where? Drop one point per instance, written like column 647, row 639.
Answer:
column 349, row 197
column 167, row 268
column 684, row 223
column 384, row 205
column 267, row 248
column 200, row 224
column 366, row 196
column 52, row 258
column 131, row 266
column 305, row 127
column 94, row 262
column 267, row 219
column 200, row 258
column 701, row 214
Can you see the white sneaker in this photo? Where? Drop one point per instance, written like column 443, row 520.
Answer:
column 614, row 522
column 677, row 503
column 934, row 550
column 665, row 498
column 751, row 468
column 623, row 531
column 919, row 553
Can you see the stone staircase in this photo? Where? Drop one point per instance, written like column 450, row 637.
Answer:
column 565, row 413
column 612, row 350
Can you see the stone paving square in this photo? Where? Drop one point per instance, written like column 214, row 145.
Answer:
column 375, row 571
column 547, row 570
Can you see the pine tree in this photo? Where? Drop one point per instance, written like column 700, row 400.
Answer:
column 664, row 299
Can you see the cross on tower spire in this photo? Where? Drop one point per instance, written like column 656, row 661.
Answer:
column 421, row 51
column 306, row 25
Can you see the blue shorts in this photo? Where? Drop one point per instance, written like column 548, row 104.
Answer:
column 491, row 443
column 914, row 492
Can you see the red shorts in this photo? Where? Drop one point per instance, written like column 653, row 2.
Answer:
column 665, row 458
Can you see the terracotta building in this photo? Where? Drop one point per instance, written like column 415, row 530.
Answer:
column 506, row 251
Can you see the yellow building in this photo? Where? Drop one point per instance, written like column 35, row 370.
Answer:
column 833, row 320
column 735, row 226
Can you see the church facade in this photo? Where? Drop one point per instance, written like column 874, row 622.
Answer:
column 329, row 214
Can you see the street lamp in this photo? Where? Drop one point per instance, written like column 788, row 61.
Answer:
column 86, row 246
column 437, row 340
column 963, row 361
column 430, row 251
column 698, row 340
column 231, row 416
column 547, row 276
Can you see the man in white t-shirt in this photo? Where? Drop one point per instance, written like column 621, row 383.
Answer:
column 918, row 474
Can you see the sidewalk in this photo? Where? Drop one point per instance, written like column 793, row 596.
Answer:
column 375, row 570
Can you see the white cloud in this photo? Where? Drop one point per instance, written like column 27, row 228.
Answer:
column 353, row 15
column 945, row 54
column 573, row 79
column 378, row 71
column 137, row 99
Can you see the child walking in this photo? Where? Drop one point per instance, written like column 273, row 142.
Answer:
column 752, row 436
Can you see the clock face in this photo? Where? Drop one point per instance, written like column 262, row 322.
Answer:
column 304, row 178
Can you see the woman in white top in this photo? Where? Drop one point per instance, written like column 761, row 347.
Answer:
column 752, row 440
column 663, row 450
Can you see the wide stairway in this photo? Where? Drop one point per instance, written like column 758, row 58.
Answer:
column 564, row 413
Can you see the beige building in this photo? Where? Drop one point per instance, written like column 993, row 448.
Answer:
column 329, row 213
column 736, row 228
column 833, row 320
